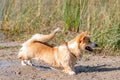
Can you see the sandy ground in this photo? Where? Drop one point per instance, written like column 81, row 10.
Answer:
column 90, row 67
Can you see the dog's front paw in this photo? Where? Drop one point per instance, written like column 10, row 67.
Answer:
column 57, row 30
column 71, row 73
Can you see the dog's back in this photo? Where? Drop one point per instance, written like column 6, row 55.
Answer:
column 36, row 45
column 37, row 50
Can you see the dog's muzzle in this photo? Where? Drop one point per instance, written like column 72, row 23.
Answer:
column 91, row 46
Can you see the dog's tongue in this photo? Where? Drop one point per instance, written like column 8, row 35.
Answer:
column 88, row 48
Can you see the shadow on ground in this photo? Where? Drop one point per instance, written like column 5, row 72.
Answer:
column 79, row 69
column 100, row 68
column 41, row 67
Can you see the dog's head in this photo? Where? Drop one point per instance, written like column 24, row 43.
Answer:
column 84, row 42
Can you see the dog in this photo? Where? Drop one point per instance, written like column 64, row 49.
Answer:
column 64, row 56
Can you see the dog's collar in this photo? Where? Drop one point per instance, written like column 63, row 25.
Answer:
column 69, row 50
column 73, row 54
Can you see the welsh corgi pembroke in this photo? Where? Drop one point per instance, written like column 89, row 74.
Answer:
column 64, row 56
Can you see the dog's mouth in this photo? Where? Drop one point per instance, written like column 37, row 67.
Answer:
column 88, row 48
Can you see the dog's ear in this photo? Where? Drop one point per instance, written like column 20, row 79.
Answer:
column 81, row 36
column 85, row 32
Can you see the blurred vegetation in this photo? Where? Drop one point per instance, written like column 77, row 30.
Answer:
column 101, row 18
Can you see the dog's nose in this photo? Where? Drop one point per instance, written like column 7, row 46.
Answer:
column 96, row 45
column 93, row 44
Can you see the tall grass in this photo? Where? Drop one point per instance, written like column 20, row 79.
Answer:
column 71, row 15
column 101, row 18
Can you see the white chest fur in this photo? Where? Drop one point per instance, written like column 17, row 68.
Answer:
column 73, row 45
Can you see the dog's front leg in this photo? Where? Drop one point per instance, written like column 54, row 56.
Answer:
column 69, row 70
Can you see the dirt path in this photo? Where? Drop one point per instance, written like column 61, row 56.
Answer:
column 88, row 68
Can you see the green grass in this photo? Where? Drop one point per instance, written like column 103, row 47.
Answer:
column 101, row 18
column 71, row 15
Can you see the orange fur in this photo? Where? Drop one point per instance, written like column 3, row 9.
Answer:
column 64, row 56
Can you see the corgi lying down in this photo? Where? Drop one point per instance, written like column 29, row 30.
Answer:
column 64, row 56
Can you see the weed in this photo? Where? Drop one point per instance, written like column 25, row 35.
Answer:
column 99, row 17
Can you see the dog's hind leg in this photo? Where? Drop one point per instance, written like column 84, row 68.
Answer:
column 23, row 63
column 29, row 62
column 26, row 62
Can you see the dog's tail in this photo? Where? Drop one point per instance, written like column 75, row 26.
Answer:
column 43, row 38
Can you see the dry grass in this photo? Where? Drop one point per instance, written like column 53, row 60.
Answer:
column 101, row 18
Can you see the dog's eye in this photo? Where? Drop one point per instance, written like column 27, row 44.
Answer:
column 80, row 41
column 87, row 39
